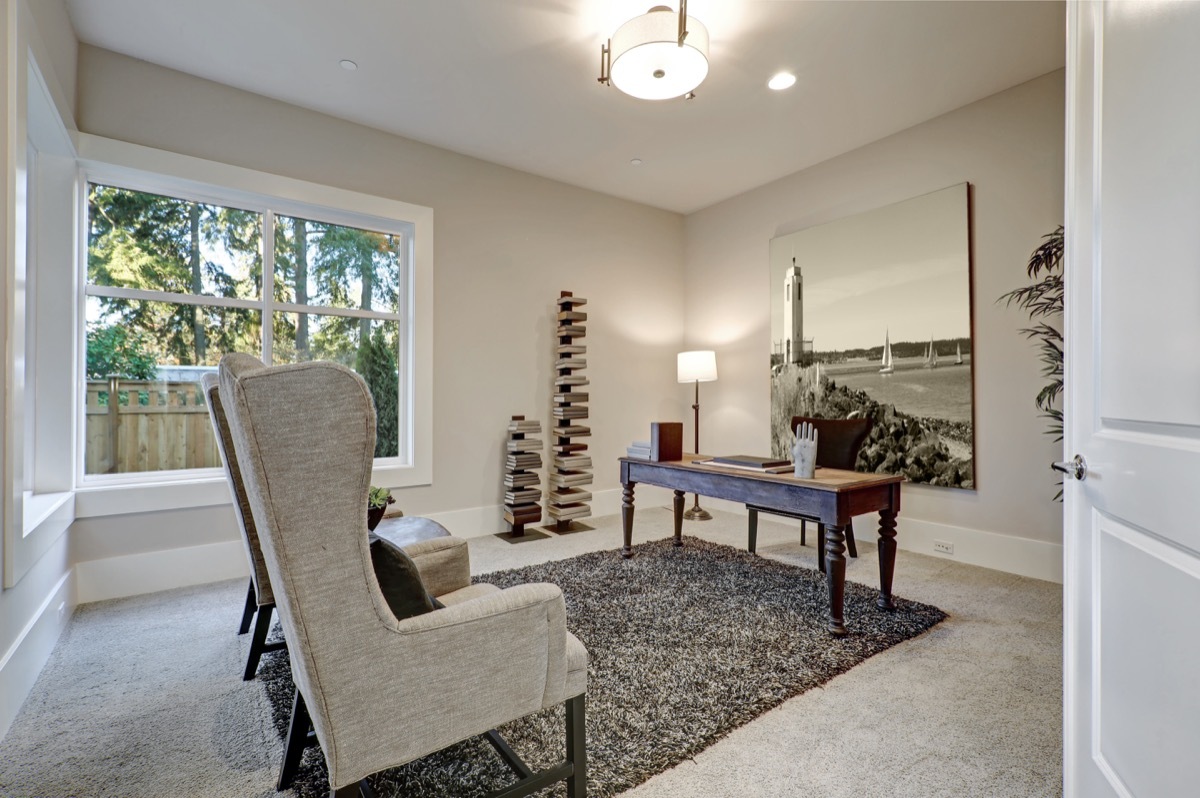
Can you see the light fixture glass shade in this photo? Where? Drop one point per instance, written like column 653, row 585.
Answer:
column 647, row 61
column 699, row 366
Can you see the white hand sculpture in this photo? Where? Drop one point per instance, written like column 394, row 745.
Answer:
column 804, row 450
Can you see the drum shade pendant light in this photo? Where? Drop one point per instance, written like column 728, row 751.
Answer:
column 657, row 56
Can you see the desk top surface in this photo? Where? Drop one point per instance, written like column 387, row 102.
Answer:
column 829, row 479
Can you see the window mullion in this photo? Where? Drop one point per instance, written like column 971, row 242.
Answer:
column 268, row 287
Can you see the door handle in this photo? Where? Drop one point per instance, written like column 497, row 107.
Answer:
column 1075, row 468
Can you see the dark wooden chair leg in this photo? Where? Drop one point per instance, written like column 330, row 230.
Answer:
column 248, row 613
column 349, row 791
column 803, row 531
column 297, row 740
column 752, row 545
column 821, row 547
column 576, row 748
column 258, row 642
column 850, row 547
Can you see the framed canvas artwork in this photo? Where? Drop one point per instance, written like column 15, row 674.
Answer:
column 871, row 317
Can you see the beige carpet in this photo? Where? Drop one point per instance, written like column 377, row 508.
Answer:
column 971, row 708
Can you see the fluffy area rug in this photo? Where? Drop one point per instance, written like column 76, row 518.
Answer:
column 685, row 645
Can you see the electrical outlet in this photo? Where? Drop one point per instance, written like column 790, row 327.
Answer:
column 943, row 547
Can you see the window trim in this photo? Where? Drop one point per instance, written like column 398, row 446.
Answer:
column 111, row 162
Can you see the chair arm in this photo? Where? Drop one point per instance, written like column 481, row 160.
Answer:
column 444, row 564
column 432, row 680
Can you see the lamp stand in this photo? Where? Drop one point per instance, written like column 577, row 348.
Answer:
column 696, row 512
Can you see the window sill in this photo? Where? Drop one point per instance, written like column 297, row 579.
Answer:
column 38, row 508
column 207, row 491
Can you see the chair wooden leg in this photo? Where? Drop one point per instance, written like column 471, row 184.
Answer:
column 258, row 642
column 297, row 740
column 850, row 547
column 803, row 531
column 821, row 547
column 752, row 544
column 248, row 612
column 349, row 791
column 576, row 748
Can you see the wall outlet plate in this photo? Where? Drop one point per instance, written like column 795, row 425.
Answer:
column 943, row 547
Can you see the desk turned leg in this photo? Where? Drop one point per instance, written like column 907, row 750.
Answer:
column 627, row 518
column 679, row 496
column 835, row 577
column 887, row 558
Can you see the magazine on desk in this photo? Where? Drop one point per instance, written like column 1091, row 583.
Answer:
column 761, row 465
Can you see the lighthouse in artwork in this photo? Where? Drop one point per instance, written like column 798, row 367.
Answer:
column 793, row 314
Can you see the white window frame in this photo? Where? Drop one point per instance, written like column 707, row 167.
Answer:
column 38, row 502
column 130, row 166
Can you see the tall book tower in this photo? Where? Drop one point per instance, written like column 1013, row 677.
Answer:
column 521, row 492
column 571, row 469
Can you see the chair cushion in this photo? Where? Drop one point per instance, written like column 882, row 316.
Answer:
column 399, row 580
column 468, row 593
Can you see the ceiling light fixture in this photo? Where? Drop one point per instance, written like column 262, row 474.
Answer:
column 656, row 56
column 781, row 80
column 348, row 65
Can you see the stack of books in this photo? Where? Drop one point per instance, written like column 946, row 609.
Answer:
column 521, row 491
column 639, row 450
column 566, row 499
column 665, row 444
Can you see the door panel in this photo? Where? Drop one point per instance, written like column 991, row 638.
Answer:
column 1149, row 323
column 1147, row 592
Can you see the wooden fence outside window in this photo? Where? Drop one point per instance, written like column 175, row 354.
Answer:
column 153, row 426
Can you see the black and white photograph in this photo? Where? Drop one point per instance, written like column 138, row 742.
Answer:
column 871, row 318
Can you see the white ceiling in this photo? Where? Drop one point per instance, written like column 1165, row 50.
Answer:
column 514, row 82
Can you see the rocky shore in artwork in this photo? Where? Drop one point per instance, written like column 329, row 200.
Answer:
column 932, row 451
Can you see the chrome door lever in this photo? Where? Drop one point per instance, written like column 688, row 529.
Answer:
column 1075, row 468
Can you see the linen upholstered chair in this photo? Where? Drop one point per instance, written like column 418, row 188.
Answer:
column 838, row 442
column 259, row 597
column 382, row 691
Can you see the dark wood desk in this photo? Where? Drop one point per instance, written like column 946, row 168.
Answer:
column 832, row 498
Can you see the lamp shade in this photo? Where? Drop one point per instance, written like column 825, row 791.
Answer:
column 649, row 63
column 698, row 366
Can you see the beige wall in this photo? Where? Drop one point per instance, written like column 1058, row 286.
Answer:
column 56, row 48
column 505, row 243
column 1010, row 148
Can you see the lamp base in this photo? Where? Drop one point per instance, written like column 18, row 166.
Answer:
column 697, row 513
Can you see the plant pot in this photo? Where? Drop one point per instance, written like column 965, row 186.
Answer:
column 374, row 516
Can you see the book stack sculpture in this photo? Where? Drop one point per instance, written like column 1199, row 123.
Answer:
column 521, row 491
column 567, row 498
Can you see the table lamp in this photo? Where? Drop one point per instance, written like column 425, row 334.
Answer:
column 699, row 366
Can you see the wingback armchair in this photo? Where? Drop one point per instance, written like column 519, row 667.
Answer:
column 381, row 691
column 260, row 598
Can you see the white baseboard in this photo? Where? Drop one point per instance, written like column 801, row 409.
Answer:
column 151, row 571
column 25, row 658
column 1014, row 555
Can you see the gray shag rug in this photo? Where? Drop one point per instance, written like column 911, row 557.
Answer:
column 685, row 645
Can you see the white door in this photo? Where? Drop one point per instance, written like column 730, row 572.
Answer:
column 1132, row 582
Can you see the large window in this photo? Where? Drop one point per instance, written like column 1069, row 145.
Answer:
column 175, row 281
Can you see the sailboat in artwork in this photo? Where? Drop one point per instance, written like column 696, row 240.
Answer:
column 958, row 361
column 885, row 365
column 931, row 355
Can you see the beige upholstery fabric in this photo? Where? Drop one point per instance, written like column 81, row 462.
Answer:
column 467, row 594
column 381, row 692
column 241, row 506
column 444, row 564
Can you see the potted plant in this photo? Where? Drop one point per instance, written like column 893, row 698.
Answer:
column 1042, row 299
column 378, row 500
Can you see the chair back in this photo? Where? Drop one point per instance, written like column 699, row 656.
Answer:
column 241, row 505
column 838, row 439
column 305, row 439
